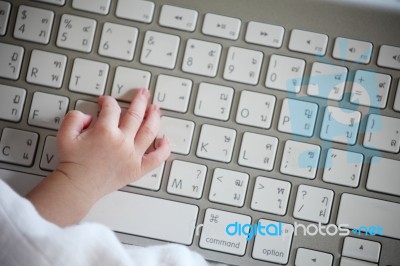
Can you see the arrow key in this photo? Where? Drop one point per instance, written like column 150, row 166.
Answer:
column 361, row 249
column 309, row 257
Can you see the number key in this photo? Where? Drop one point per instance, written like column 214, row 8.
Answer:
column 285, row 73
column 160, row 49
column 118, row 41
column 201, row 58
column 76, row 33
column 243, row 65
column 5, row 8
column 33, row 24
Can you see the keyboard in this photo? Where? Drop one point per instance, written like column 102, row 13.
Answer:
column 283, row 118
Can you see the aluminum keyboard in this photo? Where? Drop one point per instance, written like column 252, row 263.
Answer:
column 269, row 124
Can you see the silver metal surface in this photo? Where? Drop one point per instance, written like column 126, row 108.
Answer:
column 336, row 19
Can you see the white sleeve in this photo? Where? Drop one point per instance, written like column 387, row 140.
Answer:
column 27, row 239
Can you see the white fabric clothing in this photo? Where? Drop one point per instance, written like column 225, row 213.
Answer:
column 28, row 239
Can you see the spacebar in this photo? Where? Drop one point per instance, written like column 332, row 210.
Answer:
column 146, row 216
column 357, row 211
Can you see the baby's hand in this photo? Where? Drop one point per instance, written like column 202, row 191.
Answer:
column 111, row 154
column 104, row 158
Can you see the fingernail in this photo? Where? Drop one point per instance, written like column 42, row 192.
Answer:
column 157, row 143
column 145, row 92
column 156, row 108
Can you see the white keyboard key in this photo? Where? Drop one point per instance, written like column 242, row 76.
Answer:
column 186, row 179
column 99, row 7
column 18, row 146
column 343, row 167
column 243, row 65
column 118, row 41
column 357, row 211
column 370, row 89
column 285, row 73
column 127, row 80
column 396, row 105
column 178, row 18
column 172, row 93
column 53, row 2
column 179, row 132
column 344, row 261
column 264, row 34
column 151, row 180
column 76, row 33
column 47, row 110
column 352, row 50
column 179, row 218
column 13, row 179
column 383, row 176
column 89, row 108
column 389, row 56
column 313, row 204
column 214, row 236
column 136, row 10
column 300, row 159
column 327, row 81
column 201, row 58
column 10, row 65
column 270, row 195
column 88, row 77
column 308, row 42
column 160, row 49
column 5, row 8
column 46, row 69
column 309, row 257
column 50, row 159
column 214, row 101
column 340, row 125
column 33, row 24
column 216, row 143
column 228, row 187
column 382, row 133
column 221, row 26
column 272, row 247
column 298, row 117
column 255, row 109
column 361, row 249
column 258, row 151
column 11, row 103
